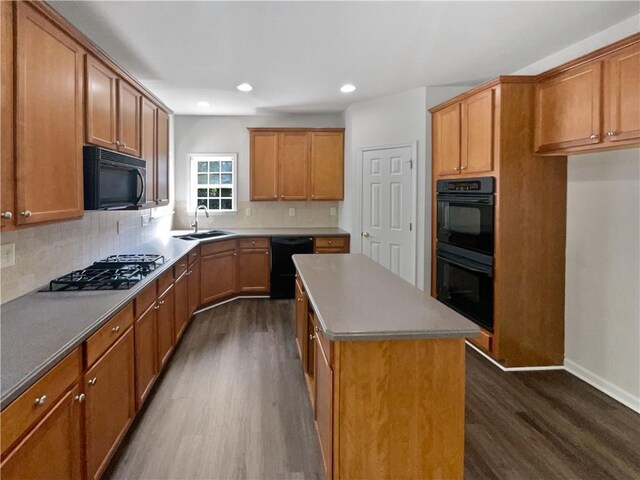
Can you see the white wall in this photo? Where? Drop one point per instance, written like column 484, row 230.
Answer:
column 389, row 120
column 602, row 315
column 228, row 134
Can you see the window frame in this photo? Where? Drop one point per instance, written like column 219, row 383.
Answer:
column 192, row 201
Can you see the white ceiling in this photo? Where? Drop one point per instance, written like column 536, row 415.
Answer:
column 298, row 54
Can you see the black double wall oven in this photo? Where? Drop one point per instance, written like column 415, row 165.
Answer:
column 464, row 247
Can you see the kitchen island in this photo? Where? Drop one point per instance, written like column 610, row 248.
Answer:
column 384, row 364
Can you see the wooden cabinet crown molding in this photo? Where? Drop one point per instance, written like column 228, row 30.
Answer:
column 75, row 34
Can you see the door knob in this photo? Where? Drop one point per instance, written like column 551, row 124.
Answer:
column 366, row 234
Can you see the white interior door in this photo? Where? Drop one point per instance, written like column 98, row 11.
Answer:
column 387, row 209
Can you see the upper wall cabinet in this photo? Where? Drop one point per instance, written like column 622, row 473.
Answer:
column 148, row 147
column 297, row 164
column 162, row 157
column 446, row 140
column 591, row 103
column 113, row 110
column 48, row 128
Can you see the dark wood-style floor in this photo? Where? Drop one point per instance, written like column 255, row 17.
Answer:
column 233, row 404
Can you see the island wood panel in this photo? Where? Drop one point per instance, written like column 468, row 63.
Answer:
column 327, row 165
column 477, row 134
column 263, row 165
column 446, row 140
column 622, row 95
column 398, row 422
column 49, row 118
column 53, row 449
column 101, row 104
column 7, row 153
column 293, row 165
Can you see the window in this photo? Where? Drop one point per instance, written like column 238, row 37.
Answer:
column 213, row 181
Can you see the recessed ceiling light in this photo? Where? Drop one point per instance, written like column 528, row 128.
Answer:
column 204, row 104
column 348, row 88
column 245, row 87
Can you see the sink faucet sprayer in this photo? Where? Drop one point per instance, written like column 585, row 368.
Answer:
column 195, row 220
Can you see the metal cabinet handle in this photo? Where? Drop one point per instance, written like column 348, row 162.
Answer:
column 93, row 381
column 79, row 398
column 463, row 168
column 116, row 329
column 312, row 337
column 189, row 273
column 157, row 307
column 266, row 253
column 456, row 169
column 26, row 213
column 124, row 145
column 162, row 302
column 117, row 142
column 40, row 401
column 7, row 215
column 593, row 136
column 313, row 196
column 611, row 133
column 317, row 329
column 182, row 265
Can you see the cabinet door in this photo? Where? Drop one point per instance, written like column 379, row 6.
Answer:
column 622, row 95
column 148, row 147
column 182, row 304
column 146, row 349
column 7, row 173
column 217, row 276
column 110, row 405
column 253, row 271
column 162, row 157
column 324, row 406
column 101, row 116
column 264, row 165
column 446, row 140
column 293, row 165
column 327, row 165
column 53, row 447
column 567, row 109
column 194, row 288
column 302, row 332
column 477, row 133
column 166, row 335
column 49, row 121
column 129, row 103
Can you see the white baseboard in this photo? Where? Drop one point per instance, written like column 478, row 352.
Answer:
column 228, row 301
column 513, row 369
column 603, row 385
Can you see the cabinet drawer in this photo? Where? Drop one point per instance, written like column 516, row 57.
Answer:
column 325, row 343
column 331, row 250
column 178, row 269
column 145, row 298
column 217, row 247
column 24, row 411
column 193, row 256
column 484, row 340
column 99, row 342
column 331, row 242
column 252, row 243
column 166, row 279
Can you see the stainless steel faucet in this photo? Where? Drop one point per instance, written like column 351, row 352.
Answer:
column 195, row 220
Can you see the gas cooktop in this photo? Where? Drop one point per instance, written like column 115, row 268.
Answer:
column 116, row 272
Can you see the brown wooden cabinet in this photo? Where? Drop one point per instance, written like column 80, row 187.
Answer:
column 446, row 140
column 217, row 271
column 162, row 158
column 48, row 109
column 327, row 165
column 182, row 312
column 253, row 269
column 302, row 327
column 53, row 448
column 166, row 335
column 129, row 115
column 110, row 403
column 293, row 165
column 477, row 133
column 567, row 109
column 7, row 166
column 146, row 353
column 193, row 280
column 297, row 164
column 622, row 95
column 331, row 244
column 148, row 148
column 323, row 376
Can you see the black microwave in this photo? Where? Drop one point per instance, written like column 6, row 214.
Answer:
column 112, row 180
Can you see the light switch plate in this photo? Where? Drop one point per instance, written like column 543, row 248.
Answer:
column 292, row 212
column 332, row 211
column 247, row 211
column 145, row 219
column 8, row 257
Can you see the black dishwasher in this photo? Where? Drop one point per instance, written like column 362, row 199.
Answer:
column 283, row 271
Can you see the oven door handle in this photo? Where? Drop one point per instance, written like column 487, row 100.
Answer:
column 142, row 182
column 465, row 199
column 487, row 271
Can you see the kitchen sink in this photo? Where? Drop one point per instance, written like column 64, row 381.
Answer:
column 203, row 235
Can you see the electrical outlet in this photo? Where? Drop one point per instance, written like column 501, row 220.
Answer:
column 120, row 226
column 8, row 257
column 247, row 211
column 292, row 212
column 332, row 211
column 145, row 219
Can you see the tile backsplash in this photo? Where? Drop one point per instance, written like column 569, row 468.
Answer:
column 263, row 215
column 48, row 251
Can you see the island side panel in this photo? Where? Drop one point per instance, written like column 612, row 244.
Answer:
column 401, row 409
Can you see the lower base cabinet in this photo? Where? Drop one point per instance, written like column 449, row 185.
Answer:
column 194, row 287
column 166, row 336
column 217, row 271
column 182, row 314
column 110, row 403
column 253, row 271
column 323, row 377
column 53, row 449
column 146, row 353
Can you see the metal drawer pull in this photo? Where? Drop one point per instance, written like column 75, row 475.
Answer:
column 40, row 401
column 311, row 337
column 593, row 136
column 162, row 302
column 116, row 329
column 26, row 213
column 611, row 133
column 157, row 307
column 93, row 381
column 79, row 398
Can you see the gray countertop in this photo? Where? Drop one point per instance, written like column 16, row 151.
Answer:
column 275, row 232
column 354, row 298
